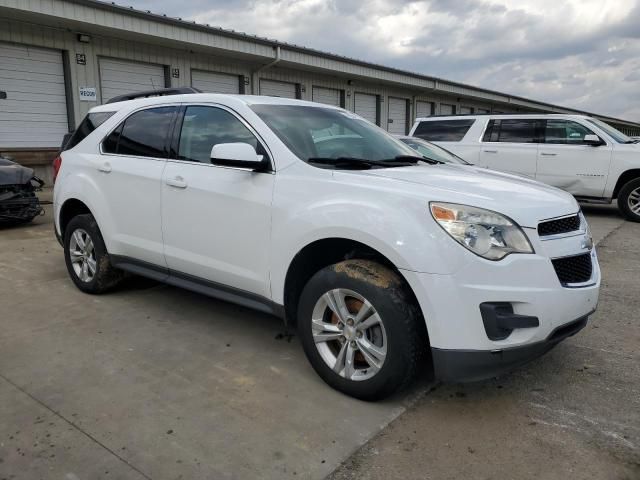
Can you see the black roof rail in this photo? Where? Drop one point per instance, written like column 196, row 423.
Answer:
column 154, row 93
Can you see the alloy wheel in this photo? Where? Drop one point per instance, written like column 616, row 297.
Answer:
column 634, row 201
column 349, row 334
column 83, row 255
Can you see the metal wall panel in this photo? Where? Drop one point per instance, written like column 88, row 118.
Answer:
column 366, row 106
column 120, row 77
column 397, row 116
column 273, row 88
column 34, row 114
column 328, row 96
column 215, row 82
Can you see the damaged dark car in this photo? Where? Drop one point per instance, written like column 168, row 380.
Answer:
column 18, row 201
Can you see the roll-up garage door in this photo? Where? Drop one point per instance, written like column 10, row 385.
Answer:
column 397, row 116
column 424, row 109
column 214, row 82
column 328, row 96
column 273, row 88
column 366, row 106
column 120, row 77
column 34, row 114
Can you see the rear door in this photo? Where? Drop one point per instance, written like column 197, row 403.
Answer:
column 129, row 172
column 566, row 162
column 511, row 145
column 216, row 220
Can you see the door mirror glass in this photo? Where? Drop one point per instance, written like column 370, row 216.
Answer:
column 240, row 155
column 593, row 140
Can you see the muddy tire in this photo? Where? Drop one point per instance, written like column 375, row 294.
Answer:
column 629, row 200
column 87, row 258
column 361, row 330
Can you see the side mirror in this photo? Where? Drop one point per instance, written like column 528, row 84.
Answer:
column 241, row 155
column 593, row 140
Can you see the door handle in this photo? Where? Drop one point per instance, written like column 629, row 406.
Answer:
column 490, row 151
column 177, row 182
column 105, row 167
column 546, row 154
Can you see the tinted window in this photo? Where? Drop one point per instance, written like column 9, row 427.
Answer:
column 443, row 130
column 565, row 132
column 511, row 131
column 88, row 125
column 204, row 127
column 143, row 134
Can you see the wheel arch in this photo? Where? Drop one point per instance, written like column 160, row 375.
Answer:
column 71, row 208
column 623, row 179
column 322, row 253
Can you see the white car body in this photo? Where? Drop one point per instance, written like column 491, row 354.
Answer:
column 241, row 230
column 590, row 173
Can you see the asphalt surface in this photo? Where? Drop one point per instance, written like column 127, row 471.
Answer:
column 156, row 382
column 572, row 414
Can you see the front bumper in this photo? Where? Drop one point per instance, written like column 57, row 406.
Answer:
column 474, row 365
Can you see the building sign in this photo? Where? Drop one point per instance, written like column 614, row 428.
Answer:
column 81, row 59
column 88, row 94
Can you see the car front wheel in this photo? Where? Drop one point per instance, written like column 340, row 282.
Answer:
column 360, row 329
column 629, row 200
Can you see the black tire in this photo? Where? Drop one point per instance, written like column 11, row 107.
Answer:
column 628, row 189
column 386, row 291
column 106, row 276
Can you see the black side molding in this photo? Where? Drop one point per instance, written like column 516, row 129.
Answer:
column 499, row 320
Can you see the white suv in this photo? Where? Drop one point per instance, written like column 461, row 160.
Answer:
column 382, row 258
column 582, row 155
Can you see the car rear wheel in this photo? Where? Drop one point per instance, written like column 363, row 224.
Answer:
column 86, row 256
column 360, row 329
column 629, row 200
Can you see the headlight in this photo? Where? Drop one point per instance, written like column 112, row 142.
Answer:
column 485, row 233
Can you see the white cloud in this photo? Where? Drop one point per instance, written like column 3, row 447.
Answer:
column 579, row 53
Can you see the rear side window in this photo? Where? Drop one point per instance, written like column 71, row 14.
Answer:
column 511, row 131
column 565, row 132
column 443, row 130
column 143, row 134
column 87, row 126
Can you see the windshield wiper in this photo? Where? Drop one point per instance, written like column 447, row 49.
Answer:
column 415, row 159
column 354, row 163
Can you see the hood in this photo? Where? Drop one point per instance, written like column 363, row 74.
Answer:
column 523, row 200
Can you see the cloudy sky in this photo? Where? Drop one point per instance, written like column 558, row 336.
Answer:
column 579, row 53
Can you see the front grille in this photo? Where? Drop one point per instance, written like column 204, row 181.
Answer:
column 560, row 225
column 576, row 269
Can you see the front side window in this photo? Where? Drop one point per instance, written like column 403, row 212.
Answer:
column 143, row 134
column 511, row 131
column 565, row 132
column 204, row 127
column 443, row 130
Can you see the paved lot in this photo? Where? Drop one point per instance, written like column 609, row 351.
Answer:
column 156, row 382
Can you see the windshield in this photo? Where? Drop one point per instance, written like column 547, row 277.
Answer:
column 434, row 152
column 315, row 132
column 617, row 135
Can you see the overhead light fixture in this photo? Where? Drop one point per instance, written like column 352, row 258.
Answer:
column 84, row 38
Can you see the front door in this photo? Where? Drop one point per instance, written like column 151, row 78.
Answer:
column 566, row 162
column 216, row 220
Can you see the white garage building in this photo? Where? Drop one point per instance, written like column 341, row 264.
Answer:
column 58, row 58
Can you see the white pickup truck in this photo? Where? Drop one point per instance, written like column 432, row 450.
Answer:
column 580, row 154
